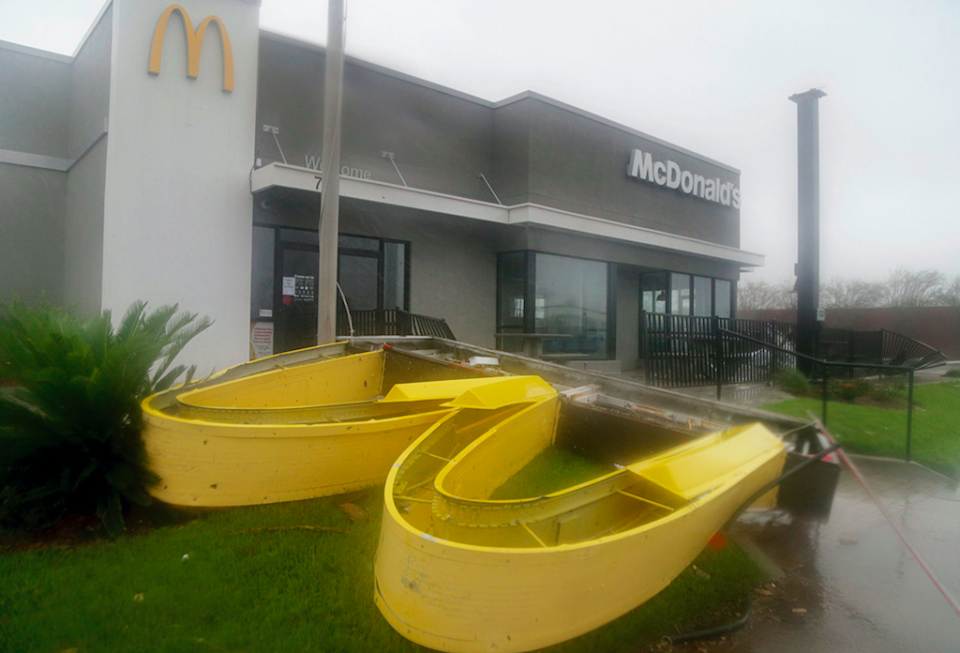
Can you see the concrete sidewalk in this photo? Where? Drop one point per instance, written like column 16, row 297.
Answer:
column 850, row 584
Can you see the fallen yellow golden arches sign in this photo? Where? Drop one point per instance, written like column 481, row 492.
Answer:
column 194, row 45
column 311, row 423
column 457, row 571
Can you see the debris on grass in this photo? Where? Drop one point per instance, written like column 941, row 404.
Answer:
column 353, row 511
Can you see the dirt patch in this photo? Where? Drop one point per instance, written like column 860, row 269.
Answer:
column 79, row 530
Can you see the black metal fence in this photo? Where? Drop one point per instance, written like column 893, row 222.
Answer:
column 682, row 351
column 391, row 322
column 827, row 374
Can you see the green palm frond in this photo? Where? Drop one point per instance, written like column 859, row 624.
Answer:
column 70, row 431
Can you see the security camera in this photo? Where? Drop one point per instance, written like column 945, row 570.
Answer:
column 266, row 204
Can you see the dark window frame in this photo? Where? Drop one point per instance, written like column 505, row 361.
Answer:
column 530, row 291
column 280, row 244
column 713, row 291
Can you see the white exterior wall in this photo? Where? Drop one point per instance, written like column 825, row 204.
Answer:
column 177, row 204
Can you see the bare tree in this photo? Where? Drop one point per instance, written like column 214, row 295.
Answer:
column 855, row 293
column 786, row 295
column 912, row 287
column 903, row 288
column 758, row 294
column 949, row 293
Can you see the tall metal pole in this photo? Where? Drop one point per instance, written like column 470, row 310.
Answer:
column 808, row 221
column 330, row 188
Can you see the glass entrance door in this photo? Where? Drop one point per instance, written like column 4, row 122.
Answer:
column 373, row 274
column 297, row 310
column 358, row 276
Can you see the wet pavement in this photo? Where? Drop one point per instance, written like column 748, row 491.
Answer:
column 850, row 584
column 746, row 394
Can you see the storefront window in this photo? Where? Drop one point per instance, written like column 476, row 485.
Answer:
column 394, row 275
column 702, row 296
column 706, row 297
column 358, row 279
column 304, row 236
column 512, row 281
column 722, row 298
column 372, row 272
column 359, row 242
column 654, row 289
column 571, row 296
column 679, row 294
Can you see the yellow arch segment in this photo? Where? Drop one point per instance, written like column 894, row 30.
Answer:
column 458, row 571
column 194, row 45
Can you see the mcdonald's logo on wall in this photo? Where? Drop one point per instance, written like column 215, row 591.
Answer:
column 194, row 45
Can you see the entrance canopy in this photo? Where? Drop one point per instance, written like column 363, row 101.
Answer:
column 279, row 175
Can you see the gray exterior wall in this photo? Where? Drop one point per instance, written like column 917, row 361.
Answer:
column 90, row 86
column 511, row 163
column 578, row 164
column 51, row 221
column 453, row 265
column 628, row 316
column 83, row 220
column 440, row 141
column 34, row 105
column 532, row 149
column 83, row 231
column 31, row 232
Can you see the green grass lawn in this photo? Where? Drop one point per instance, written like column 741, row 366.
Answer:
column 883, row 431
column 291, row 590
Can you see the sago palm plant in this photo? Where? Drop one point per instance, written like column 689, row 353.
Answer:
column 70, row 425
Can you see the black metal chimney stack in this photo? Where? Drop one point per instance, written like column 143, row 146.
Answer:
column 808, row 220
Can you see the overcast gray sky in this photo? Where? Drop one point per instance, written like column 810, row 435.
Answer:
column 710, row 76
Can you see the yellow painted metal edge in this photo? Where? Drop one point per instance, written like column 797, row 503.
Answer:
column 202, row 462
column 460, row 597
column 192, row 397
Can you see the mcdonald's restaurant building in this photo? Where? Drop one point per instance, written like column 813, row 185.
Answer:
column 175, row 158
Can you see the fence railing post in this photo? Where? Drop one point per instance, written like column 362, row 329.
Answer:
column 718, row 354
column 823, row 412
column 645, row 349
column 774, row 355
column 909, row 415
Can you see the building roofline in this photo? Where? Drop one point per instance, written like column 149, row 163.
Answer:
column 533, row 95
column 56, row 56
column 287, row 39
column 93, row 26
column 35, row 52
column 294, row 41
